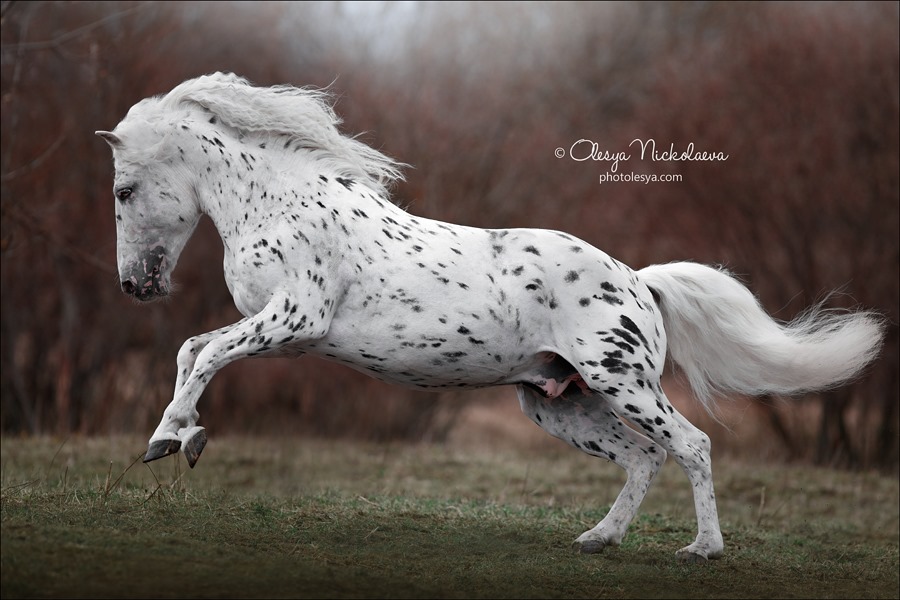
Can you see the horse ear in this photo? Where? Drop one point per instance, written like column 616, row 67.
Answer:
column 112, row 139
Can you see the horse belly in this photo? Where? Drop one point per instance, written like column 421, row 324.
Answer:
column 448, row 355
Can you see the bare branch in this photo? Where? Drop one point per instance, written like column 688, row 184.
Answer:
column 37, row 162
column 69, row 35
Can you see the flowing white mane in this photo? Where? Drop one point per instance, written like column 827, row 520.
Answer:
column 304, row 115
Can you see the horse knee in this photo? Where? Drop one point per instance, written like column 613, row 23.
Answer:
column 188, row 350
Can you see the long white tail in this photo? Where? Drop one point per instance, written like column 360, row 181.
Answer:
column 724, row 341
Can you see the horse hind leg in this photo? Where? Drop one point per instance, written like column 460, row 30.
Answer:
column 588, row 423
column 709, row 543
column 650, row 410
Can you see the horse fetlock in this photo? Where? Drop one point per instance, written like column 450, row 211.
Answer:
column 175, row 420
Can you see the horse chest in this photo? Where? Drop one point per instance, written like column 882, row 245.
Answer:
column 252, row 278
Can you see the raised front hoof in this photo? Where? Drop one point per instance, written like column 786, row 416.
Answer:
column 194, row 446
column 589, row 546
column 160, row 449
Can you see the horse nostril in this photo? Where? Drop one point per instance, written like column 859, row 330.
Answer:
column 128, row 287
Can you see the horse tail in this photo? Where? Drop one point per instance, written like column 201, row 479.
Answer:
column 724, row 341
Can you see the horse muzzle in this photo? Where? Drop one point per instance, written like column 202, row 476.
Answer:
column 145, row 280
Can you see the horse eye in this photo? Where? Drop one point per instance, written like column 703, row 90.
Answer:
column 124, row 194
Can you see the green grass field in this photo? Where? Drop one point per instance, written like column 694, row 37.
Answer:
column 310, row 518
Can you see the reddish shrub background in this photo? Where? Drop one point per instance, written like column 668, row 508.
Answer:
column 803, row 100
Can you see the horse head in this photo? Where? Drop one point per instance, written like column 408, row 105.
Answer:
column 156, row 206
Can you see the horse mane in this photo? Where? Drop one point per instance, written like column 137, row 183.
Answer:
column 304, row 115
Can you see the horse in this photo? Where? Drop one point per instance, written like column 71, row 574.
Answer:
column 320, row 261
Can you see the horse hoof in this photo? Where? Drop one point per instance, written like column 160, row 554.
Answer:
column 589, row 547
column 161, row 448
column 194, row 446
column 691, row 558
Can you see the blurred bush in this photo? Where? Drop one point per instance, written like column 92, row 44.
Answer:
column 802, row 98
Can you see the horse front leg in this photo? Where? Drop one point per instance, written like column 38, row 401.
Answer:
column 191, row 348
column 281, row 323
column 196, row 436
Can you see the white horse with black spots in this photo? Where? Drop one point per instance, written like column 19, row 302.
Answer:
column 318, row 260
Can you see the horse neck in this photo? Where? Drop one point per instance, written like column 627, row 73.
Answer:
column 243, row 183
column 234, row 180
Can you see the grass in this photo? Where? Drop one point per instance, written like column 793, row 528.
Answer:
column 308, row 518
